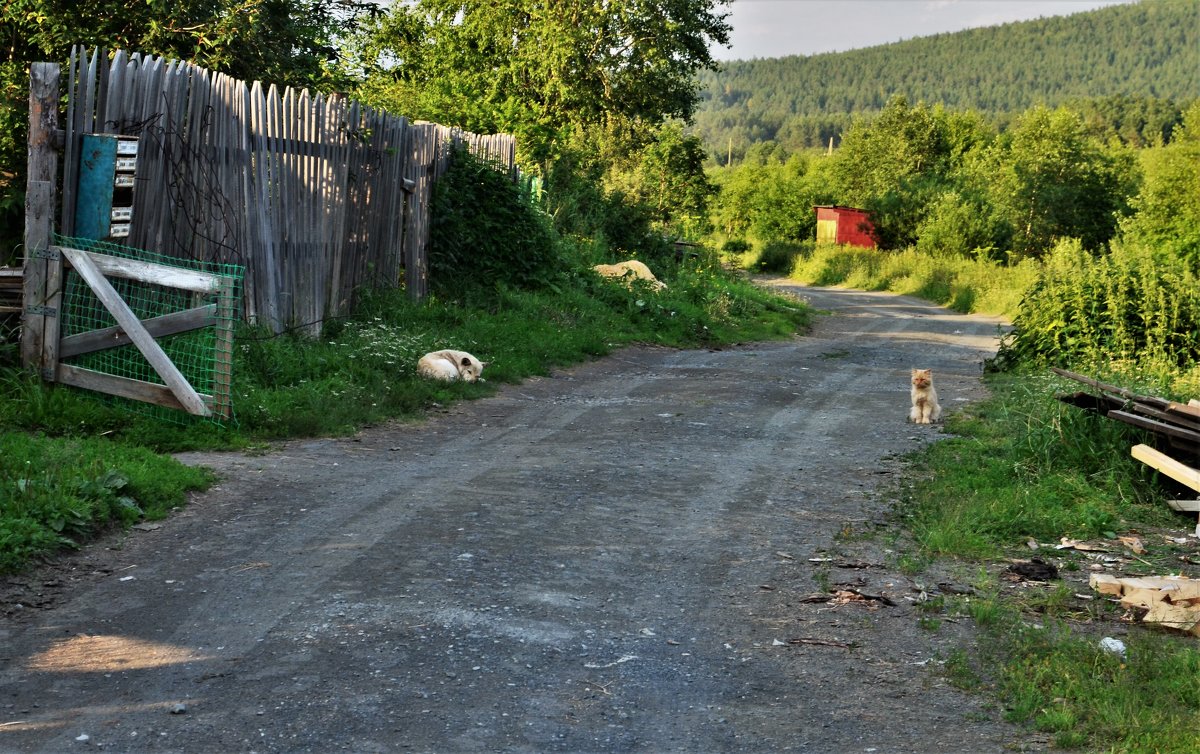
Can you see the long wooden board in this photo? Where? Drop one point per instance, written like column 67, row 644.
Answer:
column 1170, row 430
column 1151, row 400
column 122, row 387
column 148, row 272
column 1177, row 470
column 158, row 327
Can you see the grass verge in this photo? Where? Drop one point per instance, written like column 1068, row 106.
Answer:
column 59, row 492
column 1021, row 466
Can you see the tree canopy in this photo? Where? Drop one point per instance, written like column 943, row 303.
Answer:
column 543, row 69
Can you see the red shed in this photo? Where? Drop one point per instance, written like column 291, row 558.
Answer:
column 845, row 225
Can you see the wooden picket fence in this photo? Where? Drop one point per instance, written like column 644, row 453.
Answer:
column 317, row 197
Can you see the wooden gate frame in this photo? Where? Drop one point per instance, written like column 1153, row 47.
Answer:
column 43, row 348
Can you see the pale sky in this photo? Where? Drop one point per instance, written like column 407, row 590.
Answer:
column 775, row 28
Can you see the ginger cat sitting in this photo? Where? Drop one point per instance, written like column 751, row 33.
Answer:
column 925, row 407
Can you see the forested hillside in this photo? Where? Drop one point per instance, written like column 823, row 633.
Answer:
column 1129, row 69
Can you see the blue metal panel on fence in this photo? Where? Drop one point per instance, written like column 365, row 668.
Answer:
column 97, row 170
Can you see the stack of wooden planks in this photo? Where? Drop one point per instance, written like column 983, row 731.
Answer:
column 1176, row 425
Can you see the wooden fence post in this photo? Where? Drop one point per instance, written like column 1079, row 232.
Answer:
column 43, row 273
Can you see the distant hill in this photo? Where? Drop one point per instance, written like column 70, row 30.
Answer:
column 1129, row 67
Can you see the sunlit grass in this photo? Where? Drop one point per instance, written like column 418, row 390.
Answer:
column 964, row 284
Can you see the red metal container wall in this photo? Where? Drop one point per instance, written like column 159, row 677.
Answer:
column 854, row 226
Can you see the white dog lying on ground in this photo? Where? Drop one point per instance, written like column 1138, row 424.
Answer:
column 634, row 268
column 450, row 366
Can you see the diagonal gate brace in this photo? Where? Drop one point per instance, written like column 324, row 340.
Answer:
column 142, row 339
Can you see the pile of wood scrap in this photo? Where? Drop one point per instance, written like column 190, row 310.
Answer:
column 1167, row 601
column 1176, row 425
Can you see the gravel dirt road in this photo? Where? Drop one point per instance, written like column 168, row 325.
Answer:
column 621, row 557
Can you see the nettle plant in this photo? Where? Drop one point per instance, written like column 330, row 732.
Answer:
column 1128, row 305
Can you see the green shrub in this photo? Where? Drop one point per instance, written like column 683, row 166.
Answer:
column 484, row 231
column 958, row 225
column 1128, row 306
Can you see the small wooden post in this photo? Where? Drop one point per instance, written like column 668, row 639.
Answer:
column 222, row 388
column 43, row 274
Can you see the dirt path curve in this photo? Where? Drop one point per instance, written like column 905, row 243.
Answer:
column 611, row 559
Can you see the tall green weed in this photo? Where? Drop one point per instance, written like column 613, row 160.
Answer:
column 1130, row 308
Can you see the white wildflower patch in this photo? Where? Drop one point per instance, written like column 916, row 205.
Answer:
column 376, row 342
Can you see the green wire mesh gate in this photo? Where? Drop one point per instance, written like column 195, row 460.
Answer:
column 147, row 327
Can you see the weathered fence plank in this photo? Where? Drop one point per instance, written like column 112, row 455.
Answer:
column 43, row 274
column 158, row 327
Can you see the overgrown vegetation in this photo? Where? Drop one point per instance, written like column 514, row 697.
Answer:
column 1129, row 308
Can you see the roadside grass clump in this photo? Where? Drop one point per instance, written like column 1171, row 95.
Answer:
column 56, row 493
column 965, row 284
column 29, row 404
column 850, row 266
column 1052, row 675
